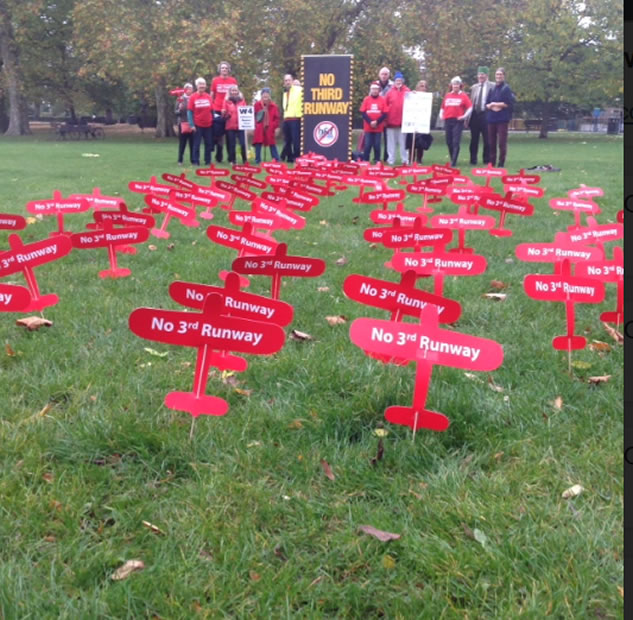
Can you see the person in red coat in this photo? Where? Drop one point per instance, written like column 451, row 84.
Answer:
column 266, row 123
column 232, row 102
column 395, row 101
column 200, row 117
column 220, row 85
column 456, row 107
column 374, row 111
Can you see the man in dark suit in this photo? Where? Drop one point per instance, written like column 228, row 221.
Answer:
column 477, row 122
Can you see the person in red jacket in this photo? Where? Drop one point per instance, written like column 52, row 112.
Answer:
column 200, row 117
column 232, row 102
column 219, row 88
column 455, row 109
column 266, row 123
column 374, row 111
column 395, row 101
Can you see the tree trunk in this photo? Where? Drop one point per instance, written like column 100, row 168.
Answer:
column 9, row 53
column 164, row 113
column 544, row 120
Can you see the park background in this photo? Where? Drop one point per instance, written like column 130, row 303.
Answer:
column 246, row 520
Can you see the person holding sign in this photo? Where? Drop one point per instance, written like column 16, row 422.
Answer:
column 266, row 123
column 230, row 115
column 185, row 133
column 374, row 111
column 422, row 141
column 499, row 104
column 455, row 109
column 201, row 121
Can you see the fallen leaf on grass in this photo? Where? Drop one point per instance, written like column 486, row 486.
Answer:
column 295, row 334
column 279, row 552
column 598, row 379
column 599, row 346
column 327, row 470
column 573, row 491
column 498, row 284
column 45, row 409
column 614, row 333
column 342, row 261
column 558, row 403
column 480, row 537
column 495, row 296
column 295, row 425
column 124, row 571
column 254, row 576
column 388, row 562
column 243, row 392
column 155, row 353
column 472, row 377
column 380, row 452
column 493, row 386
column 498, row 456
column 381, row 432
column 48, row 477
column 323, row 223
column 336, row 320
column 9, row 349
column 379, row 534
column 153, row 528
column 152, row 247
column 33, row 322
column 323, row 289
column 580, row 365
column 31, row 220
column 50, row 539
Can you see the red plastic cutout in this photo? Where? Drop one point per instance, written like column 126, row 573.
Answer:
column 563, row 287
column 25, row 258
column 278, row 266
column 9, row 221
column 110, row 237
column 58, row 206
column 14, row 298
column 211, row 332
column 427, row 345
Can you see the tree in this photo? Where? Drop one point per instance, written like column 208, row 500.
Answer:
column 12, row 73
column 566, row 51
column 154, row 44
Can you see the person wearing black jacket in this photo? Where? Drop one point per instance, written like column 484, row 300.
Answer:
column 500, row 103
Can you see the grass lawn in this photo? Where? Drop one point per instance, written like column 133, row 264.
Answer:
column 249, row 524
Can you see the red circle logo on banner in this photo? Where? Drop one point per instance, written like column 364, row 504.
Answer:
column 325, row 133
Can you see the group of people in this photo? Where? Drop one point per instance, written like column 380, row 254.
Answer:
column 487, row 112
column 211, row 118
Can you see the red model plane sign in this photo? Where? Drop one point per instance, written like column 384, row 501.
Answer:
column 214, row 334
column 426, row 344
column 25, row 257
column 14, row 298
column 9, row 221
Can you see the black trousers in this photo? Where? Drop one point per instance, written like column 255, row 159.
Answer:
column 479, row 128
column 453, row 130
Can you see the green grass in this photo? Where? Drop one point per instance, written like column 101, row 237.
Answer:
column 252, row 527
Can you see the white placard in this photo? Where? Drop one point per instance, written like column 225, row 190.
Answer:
column 246, row 117
column 416, row 112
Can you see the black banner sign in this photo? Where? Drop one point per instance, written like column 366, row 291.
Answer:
column 327, row 106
